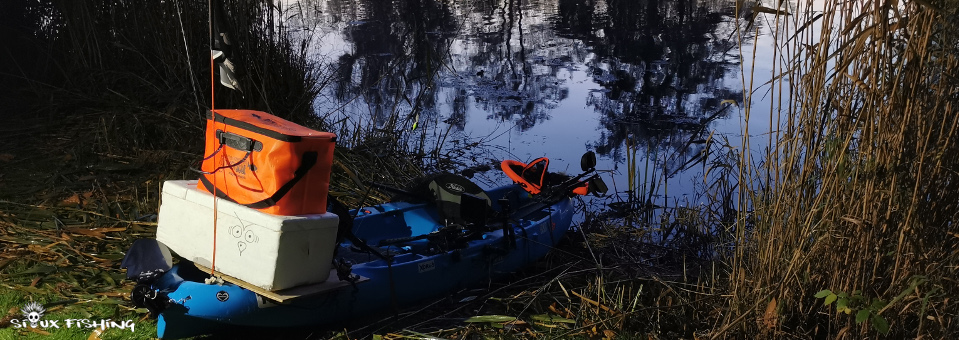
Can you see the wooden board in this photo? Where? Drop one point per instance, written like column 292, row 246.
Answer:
column 290, row 294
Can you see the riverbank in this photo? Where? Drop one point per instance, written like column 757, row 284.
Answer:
column 843, row 225
column 69, row 212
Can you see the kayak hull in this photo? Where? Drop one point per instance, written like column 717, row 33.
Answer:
column 197, row 308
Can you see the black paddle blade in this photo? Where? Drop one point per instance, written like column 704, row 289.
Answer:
column 345, row 225
column 146, row 255
column 588, row 162
column 598, row 187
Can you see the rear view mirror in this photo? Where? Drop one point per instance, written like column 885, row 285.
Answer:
column 597, row 187
column 588, row 162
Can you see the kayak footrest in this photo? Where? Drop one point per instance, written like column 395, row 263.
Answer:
column 291, row 294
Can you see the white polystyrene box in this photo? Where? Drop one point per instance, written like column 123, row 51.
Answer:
column 269, row 251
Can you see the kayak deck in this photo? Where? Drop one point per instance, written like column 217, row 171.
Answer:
column 291, row 294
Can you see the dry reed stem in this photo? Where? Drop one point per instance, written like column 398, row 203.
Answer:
column 862, row 191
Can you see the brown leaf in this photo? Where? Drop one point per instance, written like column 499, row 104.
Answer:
column 515, row 325
column 95, row 232
column 851, row 220
column 11, row 314
column 596, row 303
column 71, row 201
column 770, row 318
column 36, row 248
column 5, row 262
column 546, row 325
column 566, row 313
column 114, row 294
column 6, row 157
column 37, row 330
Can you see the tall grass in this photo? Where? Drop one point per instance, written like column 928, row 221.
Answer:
column 137, row 74
column 862, row 197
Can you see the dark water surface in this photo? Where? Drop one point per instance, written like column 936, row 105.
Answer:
column 644, row 83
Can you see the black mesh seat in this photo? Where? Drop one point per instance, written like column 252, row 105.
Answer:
column 459, row 200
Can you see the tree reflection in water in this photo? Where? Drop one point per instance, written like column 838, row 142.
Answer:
column 656, row 67
column 397, row 51
column 661, row 65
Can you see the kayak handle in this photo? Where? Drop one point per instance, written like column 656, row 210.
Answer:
column 392, row 241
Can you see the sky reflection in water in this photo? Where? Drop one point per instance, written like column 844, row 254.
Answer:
column 628, row 79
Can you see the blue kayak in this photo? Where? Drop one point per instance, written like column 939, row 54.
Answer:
column 419, row 270
column 397, row 254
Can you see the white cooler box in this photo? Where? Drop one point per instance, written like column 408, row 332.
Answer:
column 269, row 251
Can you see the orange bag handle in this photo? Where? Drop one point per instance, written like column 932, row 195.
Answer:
column 234, row 141
column 228, row 166
column 308, row 161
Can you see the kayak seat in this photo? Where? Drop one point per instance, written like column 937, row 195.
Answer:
column 533, row 177
column 454, row 195
column 529, row 176
column 474, row 210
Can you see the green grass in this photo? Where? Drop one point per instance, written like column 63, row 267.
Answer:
column 93, row 310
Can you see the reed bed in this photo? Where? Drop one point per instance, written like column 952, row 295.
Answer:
column 844, row 227
column 854, row 226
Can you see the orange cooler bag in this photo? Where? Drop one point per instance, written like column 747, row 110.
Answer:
column 266, row 163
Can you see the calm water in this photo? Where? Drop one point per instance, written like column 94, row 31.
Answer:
column 642, row 83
